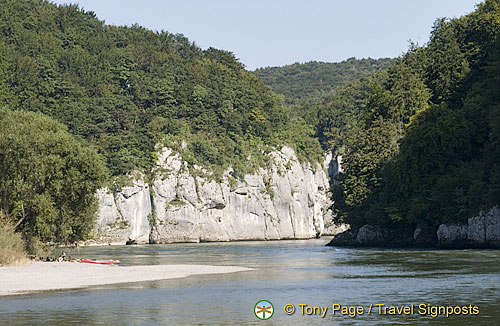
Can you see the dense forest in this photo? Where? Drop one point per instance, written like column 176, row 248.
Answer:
column 125, row 88
column 308, row 86
column 83, row 103
column 92, row 102
column 421, row 139
column 309, row 83
column 419, row 135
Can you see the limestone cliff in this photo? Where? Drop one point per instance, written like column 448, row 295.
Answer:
column 480, row 231
column 288, row 200
column 124, row 215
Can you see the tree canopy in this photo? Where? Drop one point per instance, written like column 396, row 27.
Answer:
column 48, row 179
column 420, row 140
column 126, row 89
column 309, row 83
column 420, row 134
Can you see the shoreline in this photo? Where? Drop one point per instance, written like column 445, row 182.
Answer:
column 121, row 243
column 46, row 276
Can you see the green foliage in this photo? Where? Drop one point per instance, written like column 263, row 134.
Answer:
column 177, row 202
column 308, row 83
column 11, row 244
column 48, row 179
column 308, row 86
column 421, row 140
column 268, row 185
column 125, row 89
column 428, row 168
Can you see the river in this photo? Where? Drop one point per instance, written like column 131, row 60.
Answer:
column 287, row 272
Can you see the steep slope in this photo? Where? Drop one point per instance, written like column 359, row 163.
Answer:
column 126, row 89
column 286, row 200
column 420, row 141
column 132, row 93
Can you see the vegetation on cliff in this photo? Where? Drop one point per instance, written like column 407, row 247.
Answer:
column 75, row 93
column 419, row 135
column 80, row 100
column 421, row 140
column 125, row 88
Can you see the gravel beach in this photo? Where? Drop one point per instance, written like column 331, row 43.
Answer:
column 42, row 276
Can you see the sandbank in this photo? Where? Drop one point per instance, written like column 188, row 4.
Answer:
column 43, row 276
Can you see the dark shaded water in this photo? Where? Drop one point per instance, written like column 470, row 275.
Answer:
column 288, row 272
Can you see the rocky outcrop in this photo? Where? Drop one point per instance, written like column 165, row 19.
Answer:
column 367, row 235
column 125, row 215
column 450, row 234
column 492, row 227
column 283, row 202
column 476, row 230
column 288, row 200
column 332, row 165
column 370, row 235
column 346, row 238
column 482, row 231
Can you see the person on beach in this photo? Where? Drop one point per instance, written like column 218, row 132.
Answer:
column 62, row 257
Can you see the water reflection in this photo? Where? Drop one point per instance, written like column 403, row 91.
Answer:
column 288, row 272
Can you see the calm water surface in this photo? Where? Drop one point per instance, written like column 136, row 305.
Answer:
column 288, row 272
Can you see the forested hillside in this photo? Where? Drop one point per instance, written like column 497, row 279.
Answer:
column 125, row 89
column 309, row 83
column 419, row 134
column 421, row 140
column 76, row 93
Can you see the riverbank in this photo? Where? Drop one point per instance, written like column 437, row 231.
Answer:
column 44, row 276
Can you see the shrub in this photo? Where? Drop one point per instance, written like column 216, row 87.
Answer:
column 11, row 244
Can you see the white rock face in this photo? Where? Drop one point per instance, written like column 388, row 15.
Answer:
column 452, row 233
column 480, row 231
column 124, row 216
column 333, row 165
column 484, row 229
column 286, row 201
column 492, row 221
column 476, row 230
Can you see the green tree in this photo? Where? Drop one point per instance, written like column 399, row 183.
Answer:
column 48, row 179
column 420, row 140
column 126, row 89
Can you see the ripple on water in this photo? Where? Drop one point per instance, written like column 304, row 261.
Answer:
column 287, row 272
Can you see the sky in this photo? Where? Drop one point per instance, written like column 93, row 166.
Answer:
column 265, row 33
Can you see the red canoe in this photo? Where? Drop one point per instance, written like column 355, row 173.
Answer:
column 102, row 262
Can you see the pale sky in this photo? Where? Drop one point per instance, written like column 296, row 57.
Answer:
column 278, row 32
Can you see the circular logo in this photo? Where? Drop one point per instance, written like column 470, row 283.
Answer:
column 263, row 309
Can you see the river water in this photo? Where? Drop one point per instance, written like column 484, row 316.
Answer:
column 287, row 272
